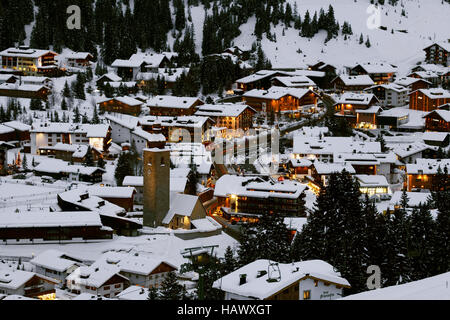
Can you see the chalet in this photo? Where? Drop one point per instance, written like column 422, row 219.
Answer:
column 45, row 134
column 428, row 99
column 239, row 52
column 424, row 173
column 351, row 83
column 268, row 280
column 4, row 161
column 111, row 215
column 393, row 118
column 79, row 60
column 173, row 106
column 373, row 184
column 367, row 118
column 120, row 196
column 323, row 67
column 231, row 116
column 61, row 170
column 302, row 82
column 430, row 76
column 438, row 120
column 246, row 198
column 140, row 62
column 99, row 279
column 413, row 84
column 437, row 139
column 183, row 210
column 24, row 91
column 51, row 227
column 69, row 152
column 299, row 168
column 126, row 105
column 380, row 73
column 143, row 139
column 259, row 80
column 390, row 95
column 38, row 81
column 141, row 270
column 438, row 53
column 28, row 61
column 15, row 132
column 27, row 284
column 281, row 100
column 55, row 264
column 349, row 103
column 109, row 77
column 410, row 152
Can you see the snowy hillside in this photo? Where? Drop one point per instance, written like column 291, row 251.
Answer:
column 425, row 22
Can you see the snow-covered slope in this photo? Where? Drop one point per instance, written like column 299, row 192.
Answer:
column 425, row 21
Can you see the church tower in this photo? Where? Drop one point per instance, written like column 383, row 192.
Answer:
column 156, row 167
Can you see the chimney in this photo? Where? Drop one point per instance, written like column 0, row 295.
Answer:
column 242, row 279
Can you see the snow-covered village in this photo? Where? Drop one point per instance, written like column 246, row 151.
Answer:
column 224, row 150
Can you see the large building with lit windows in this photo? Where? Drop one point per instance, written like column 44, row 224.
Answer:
column 28, row 61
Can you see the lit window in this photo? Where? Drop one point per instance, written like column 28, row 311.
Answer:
column 307, row 295
column 316, row 283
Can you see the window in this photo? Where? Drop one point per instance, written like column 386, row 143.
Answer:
column 316, row 283
column 307, row 295
column 117, row 285
column 106, row 288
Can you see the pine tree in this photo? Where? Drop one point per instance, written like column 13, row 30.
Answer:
column 89, row 160
column 25, row 163
column 64, row 105
column 123, row 168
column 193, row 179
column 95, row 118
column 66, row 90
column 361, row 39
column 368, row 45
column 171, row 289
column 76, row 117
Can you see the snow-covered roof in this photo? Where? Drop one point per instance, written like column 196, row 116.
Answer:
column 124, row 120
column 24, row 87
column 407, row 81
column 435, row 136
column 356, row 98
column 78, row 151
column 111, row 76
column 329, row 168
column 129, row 101
column 230, row 185
column 444, row 114
column 222, row 110
column 300, row 163
column 95, row 275
column 134, row 293
column 434, row 93
column 54, row 219
column 4, row 129
column 120, row 63
column 78, row 55
column 414, row 198
column 443, row 44
column 262, row 74
column 111, row 192
column 406, row 150
column 91, row 130
column 332, row 145
column 150, row 137
column 54, row 260
column 390, row 86
column 17, row 125
column 362, row 80
column 296, row 81
column 28, row 53
column 14, row 279
column 425, row 74
column 427, row 166
column 371, row 110
column 259, row 288
column 432, row 288
column 132, row 263
column 180, row 204
column 181, row 121
column 366, row 180
column 60, row 166
column 172, row 102
column 118, row 84
column 91, row 202
column 275, row 93
column 378, row 67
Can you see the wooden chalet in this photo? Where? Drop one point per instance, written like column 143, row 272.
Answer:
column 27, row 284
column 231, row 116
column 79, row 59
column 259, row 80
column 423, row 174
column 173, row 106
column 125, row 105
column 348, row 105
column 380, row 73
column 438, row 120
column 428, row 99
column 24, row 91
column 438, row 53
column 351, row 83
column 29, row 61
